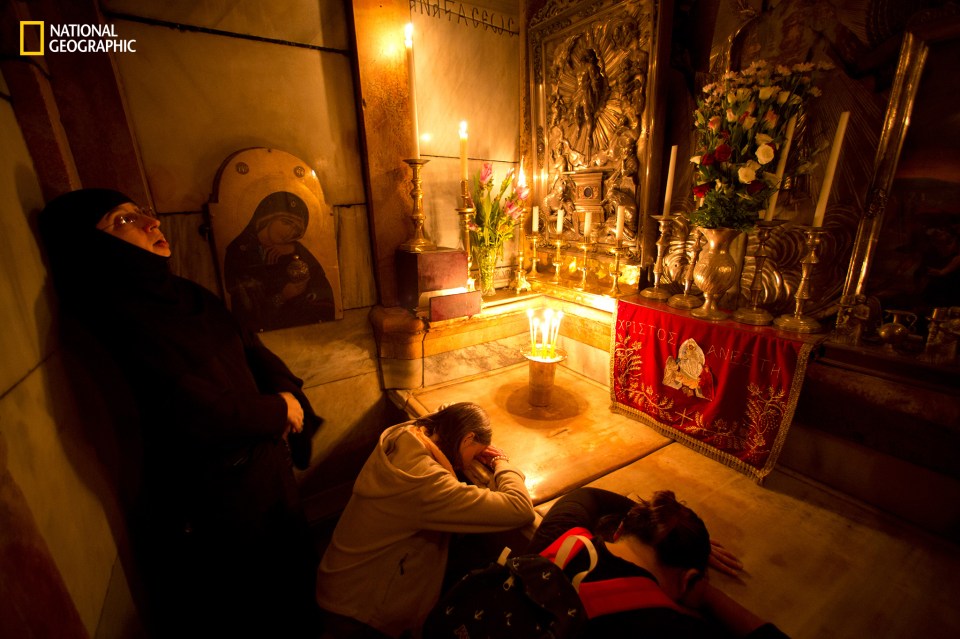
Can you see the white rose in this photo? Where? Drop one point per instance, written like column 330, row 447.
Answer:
column 764, row 153
column 763, row 138
column 746, row 175
column 748, row 122
column 695, row 159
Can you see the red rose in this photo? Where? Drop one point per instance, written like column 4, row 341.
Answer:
column 755, row 187
column 706, row 159
column 725, row 135
column 723, row 152
column 701, row 190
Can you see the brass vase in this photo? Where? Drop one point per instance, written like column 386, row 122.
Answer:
column 716, row 272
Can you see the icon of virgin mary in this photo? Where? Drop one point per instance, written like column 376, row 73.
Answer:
column 273, row 280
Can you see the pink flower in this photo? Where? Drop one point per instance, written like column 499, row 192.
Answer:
column 714, row 123
column 486, row 173
column 513, row 210
column 522, row 191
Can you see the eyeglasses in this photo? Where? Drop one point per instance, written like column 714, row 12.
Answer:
column 130, row 217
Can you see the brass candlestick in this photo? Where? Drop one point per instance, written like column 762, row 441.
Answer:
column 753, row 314
column 465, row 211
column 615, row 251
column 419, row 242
column 798, row 322
column 663, row 243
column 583, row 246
column 534, row 259
column 520, row 281
column 557, row 260
column 685, row 299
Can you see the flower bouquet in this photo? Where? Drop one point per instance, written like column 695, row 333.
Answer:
column 744, row 125
column 496, row 215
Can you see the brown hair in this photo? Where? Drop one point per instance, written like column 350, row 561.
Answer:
column 452, row 423
column 676, row 533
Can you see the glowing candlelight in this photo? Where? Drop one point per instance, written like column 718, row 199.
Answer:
column 620, row 215
column 831, row 169
column 463, row 151
column 535, row 223
column 670, row 171
column 412, row 86
column 533, row 330
column 544, row 333
column 781, row 167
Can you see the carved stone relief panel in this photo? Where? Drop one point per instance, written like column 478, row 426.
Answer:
column 592, row 74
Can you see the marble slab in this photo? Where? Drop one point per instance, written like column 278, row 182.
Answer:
column 567, row 444
column 472, row 360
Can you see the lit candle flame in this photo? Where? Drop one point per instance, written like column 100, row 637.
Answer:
column 544, row 333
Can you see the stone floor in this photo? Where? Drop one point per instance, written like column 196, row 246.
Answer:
column 818, row 563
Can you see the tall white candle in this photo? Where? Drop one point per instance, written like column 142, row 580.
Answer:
column 412, row 86
column 535, row 223
column 587, row 223
column 831, row 169
column 620, row 215
column 559, row 221
column 668, row 196
column 781, row 167
column 463, row 151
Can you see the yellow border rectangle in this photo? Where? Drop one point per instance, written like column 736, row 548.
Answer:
column 31, row 23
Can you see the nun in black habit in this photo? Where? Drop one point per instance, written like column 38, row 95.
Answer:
column 220, row 537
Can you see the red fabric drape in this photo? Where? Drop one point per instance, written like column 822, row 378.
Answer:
column 728, row 391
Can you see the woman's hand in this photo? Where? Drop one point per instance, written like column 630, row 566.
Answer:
column 294, row 413
column 489, row 456
column 723, row 560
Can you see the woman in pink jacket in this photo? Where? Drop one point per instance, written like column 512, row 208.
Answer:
column 384, row 567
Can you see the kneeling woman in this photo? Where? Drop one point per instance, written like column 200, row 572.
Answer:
column 385, row 564
column 661, row 540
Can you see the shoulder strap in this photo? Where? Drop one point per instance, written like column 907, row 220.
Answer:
column 625, row 593
column 568, row 545
column 551, row 551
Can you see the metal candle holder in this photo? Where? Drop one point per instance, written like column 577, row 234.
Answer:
column 798, row 322
column 520, row 281
column 583, row 246
column 615, row 251
column 465, row 211
column 663, row 243
column 419, row 242
column 557, row 260
column 534, row 259
column 685, row 299
column 753, row 314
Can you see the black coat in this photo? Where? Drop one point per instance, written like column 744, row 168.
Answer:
column 217, row 527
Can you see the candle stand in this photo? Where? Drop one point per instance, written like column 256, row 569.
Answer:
column 615, row 287
column 686, row 300
column 520, row 281
column 557, row 260
column 419, row 242
column 753, row 314
column 663, row 243
column 534, row 259
column 583, row 246
column 542, row 372
column 465, row 211
column 798, row 322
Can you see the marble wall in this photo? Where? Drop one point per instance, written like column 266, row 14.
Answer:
column 55, row 502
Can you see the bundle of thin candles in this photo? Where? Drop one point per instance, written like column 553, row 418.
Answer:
column 544, row 332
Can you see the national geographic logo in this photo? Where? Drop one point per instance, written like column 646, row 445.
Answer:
column 71, row 38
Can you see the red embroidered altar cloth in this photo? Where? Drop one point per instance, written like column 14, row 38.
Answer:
column 726, row 390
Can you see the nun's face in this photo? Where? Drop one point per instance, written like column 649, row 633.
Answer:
column 138, row 226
